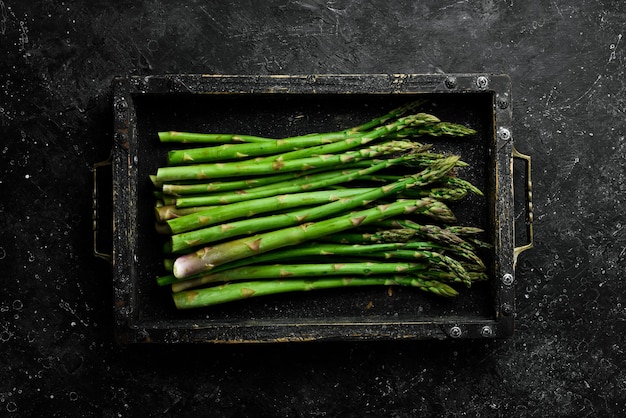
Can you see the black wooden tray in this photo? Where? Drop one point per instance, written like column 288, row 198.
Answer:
column 279, row 106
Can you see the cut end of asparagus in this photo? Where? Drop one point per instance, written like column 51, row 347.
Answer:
column 165, row 136
column 190, row 264
column 185, row 300
column 156, row 182
column 163, row 213
column 162, row 228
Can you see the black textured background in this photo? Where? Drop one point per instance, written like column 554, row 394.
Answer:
column 566, row 60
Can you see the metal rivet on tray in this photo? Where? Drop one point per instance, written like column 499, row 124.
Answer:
column 455, row 332
column 451, row 82
column 121, row 140
column 506, row 309
column 486, row 331
column 504, row 134
column 482, row 82
column 174, row 337
column 503, row 101
column 507, row 279
column 121, row 105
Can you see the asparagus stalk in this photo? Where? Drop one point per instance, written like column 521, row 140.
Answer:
column 182, row 241
column 416, row 250
column 227, row 261
column 327, row 252
column 207, row 258
column 224, row 186
column 296, row 184
column 167, row 212
column 293, row 148
column 356, row 140
column 252, row 167
column 244, row 151
column 248, row 208
column 291, row 271
column 230, row 292
column 376, row 261
column 300, row 184
column 192, row 137
column 413, row 250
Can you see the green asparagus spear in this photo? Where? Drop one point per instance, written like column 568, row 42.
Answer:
column 192, row 137
column 224, row 186
column 166, row 212
column 207, row 258
column 251, row 167
column 357, row 140
column 412, row 250
column 248, row 208
column 190, row 239
column 437, row 129
column 433, row 254
column 230, row 292
column 297, row 184
column 292, row 148
column 291, row 271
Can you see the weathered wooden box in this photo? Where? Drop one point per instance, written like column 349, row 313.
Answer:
column 279, row 106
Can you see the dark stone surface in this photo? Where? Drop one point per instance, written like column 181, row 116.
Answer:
column 566, row 60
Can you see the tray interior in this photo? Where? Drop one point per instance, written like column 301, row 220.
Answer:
column 282, row 115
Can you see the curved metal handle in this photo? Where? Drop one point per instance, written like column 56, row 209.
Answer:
column 105, row 256
column 529, row 196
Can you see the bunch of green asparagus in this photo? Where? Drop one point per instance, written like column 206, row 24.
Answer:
column 246, row 216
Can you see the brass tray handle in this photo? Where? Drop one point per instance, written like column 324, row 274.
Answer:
column 529, row 196
column 95, row 204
